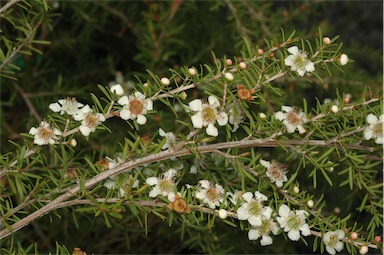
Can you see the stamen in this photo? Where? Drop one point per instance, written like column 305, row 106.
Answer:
column 293, row 117
column 293, row 222
column 255, row 208
column 378, row 129
column 91, row 121
column 212, row 194
column 166, row 185
column 208, row 114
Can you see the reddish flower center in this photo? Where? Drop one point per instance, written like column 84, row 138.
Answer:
column 136, row 106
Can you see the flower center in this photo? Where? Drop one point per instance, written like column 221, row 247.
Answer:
column 276, row 170
column 70, row 105
column 255, row 208
column 208, row 114
column 378, row 129
column 293, row 222
column 166, row 185
column 333, row 240
column 45, row 133
column 265, row 228
column 212, row 194
column 293, row 117
column 91, row 121
column 136, row 106
column 299, row 61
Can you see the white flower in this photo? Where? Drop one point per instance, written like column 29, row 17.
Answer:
column 135, row 107
column 236, row 116
column 267, row 226
column 299, row 61
column 89, row 120
column 293, row 222
column 44, row 134
column 253, row 209
column 344, row 59
column 192, row 71
column 210, row 193
column 68, row 105
column 375, row 129
column 164, row 185
column 117, row 89
column 170, row 139
column 207, row 115
column 276, row 172
column 293, row 118
column 193, row 169
column 332, row 241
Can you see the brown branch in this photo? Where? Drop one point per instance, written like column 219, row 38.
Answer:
column 8, row 5
column 31, row 108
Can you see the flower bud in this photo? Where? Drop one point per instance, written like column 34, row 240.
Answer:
column 310, row 203
column 228, row 61
column 378, row 239
column 183, row 95
column 296, row 189
column 260, row 51
column 145, row 85
column 165, row 81
column 192, row 71
column 337, row 210
column 73, row 142
column 223, row 214
column 228, row 76
column 262, row 115
column 363, row 250
column 117, row 89
column 344, row 59
column 242, row 65
column 335, row 109
column 326, row 40
column 354, row 235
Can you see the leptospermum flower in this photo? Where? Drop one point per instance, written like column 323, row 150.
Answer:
column 69, row 106
column 292, row 118
column 170, row 139
column 332, row 241
column 164, row 185
column 207, row 115
column 236, row 116
column 264, row 230
column 293, row 222
column 275, row 171
column 89, row 120
column 375, row 129
column 253, row 209
column 211, row 194
column 44, row 134
column 298, row 61
column 135, row 107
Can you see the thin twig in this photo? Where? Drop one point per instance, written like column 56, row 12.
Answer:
column 8, row 5
column 31, row 108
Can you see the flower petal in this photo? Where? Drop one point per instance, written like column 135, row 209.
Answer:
column 284, row 210
column 222, row 118
column 371, row 119
column 152, row 181
column 212, row 130
column 213, row 101
column 197, row 121
column 293, row 50
column 253, row 234
column 196, row 105
column 141, row 119
column 125, row 114
column 294, row 235
column 123, row 100
column 266, row 240
column 56, row 107
column 280, row 115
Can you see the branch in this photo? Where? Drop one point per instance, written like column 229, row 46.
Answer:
column 8, row 5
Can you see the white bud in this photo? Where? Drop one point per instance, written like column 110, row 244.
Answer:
column 335, row 109
column 363, row 250
column 117, row 89
column 296, row 189
column 228, row 76
column 73, row 142
column 228, row 61
column 192, row 71
column 165, row 81
column 223, row 214
column 310, row 203
column 344, row 59
column 145, row 85
column 262, row 115
column 242, row 65
column 326, row 40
